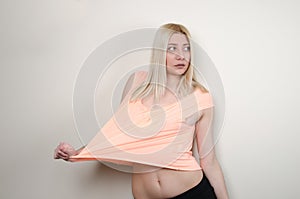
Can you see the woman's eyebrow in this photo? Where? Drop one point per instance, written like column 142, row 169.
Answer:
column 177, row 44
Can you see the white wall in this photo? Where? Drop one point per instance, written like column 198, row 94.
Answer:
column 254, row 45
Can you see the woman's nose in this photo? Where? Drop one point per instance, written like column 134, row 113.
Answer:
column 179, row 54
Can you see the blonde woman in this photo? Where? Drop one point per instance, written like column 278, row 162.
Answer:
column 171, row 78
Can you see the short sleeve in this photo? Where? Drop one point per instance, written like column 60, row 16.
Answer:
column 204, row 99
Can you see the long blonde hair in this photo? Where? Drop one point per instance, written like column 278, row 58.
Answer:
column 156, row 80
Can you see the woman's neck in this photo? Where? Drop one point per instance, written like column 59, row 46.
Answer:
column 172, row 82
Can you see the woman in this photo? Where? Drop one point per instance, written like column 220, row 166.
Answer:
column 171, row 74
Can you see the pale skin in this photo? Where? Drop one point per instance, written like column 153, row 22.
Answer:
column 166, row 183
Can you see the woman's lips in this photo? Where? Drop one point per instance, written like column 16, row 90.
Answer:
column 180, row 65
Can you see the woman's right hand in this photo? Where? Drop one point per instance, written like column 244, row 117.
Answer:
column 64, row 151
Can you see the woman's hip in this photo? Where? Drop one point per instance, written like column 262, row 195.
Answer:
column 202, row 190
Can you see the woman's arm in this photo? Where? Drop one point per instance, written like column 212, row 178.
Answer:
column 208, row 159
column 65, row 150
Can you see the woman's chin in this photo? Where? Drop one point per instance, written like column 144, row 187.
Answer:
column 179, row 71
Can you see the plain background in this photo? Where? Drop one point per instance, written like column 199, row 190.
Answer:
column 254, row 45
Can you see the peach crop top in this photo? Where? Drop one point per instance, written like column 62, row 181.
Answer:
column 158, row 137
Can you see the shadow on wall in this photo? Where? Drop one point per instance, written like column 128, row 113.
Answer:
column 98, row 180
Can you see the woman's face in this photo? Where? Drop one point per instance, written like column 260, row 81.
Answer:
column 178, row 54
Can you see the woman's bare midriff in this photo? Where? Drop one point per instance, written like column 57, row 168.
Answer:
column 163, row 183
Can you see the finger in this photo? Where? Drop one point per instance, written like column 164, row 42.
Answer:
column 65, row 151
column 57, row 156
column 63, row 155
column 68, row 150
column 60, row 157
column 60, row 152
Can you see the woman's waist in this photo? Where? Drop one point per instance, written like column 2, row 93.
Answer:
column 163, row 183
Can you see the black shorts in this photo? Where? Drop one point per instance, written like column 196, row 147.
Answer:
column 203, row 190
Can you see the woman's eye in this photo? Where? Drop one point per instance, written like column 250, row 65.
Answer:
column 172, row 48
column 186, row 48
